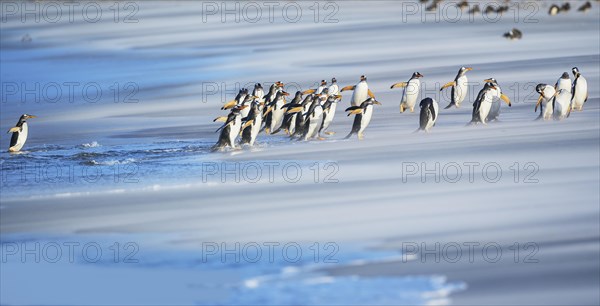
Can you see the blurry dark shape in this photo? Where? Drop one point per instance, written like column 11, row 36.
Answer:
column 423, row 1
column 585, row 7
column 489, row 9
column 554, row 10
column 513, row 34
column 26, row 38
column 463, row 5
column 501, row 9
column 474, row 10
column 565, row 7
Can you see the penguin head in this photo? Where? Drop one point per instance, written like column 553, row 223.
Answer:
column 464, row 70
column 363, row 78
column 540, row 88
column 298, row 94
column 258, row 86
column 575, row 71
column 417, row 75
column 370, row 101
column 333, row 80
column 491, row 81
column 24, row 117
column 565, row 75
column 323, row 82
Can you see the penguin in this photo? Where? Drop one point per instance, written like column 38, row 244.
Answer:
column 274, row 112
column 475, row 9
column 496, row 102
column 411, row 92
column 318, row 90
column 361, row 91
column 329, row 108
column 252, row 123
column 565, row 7
column 562, row 104
column 547, row 93
column 513, row 34
column 428, row 115
column 333, row 89
column 554, row 10
column 259, row 92
column 585, row 7
column 363, row 113
column 483, row 104
column 302, row 109
column 564, row 82
column 580, row 90
column 459, row 87
column 19, row 133
column 313, row 119
column 237, row 101
column 230, row 129
column 289, row 118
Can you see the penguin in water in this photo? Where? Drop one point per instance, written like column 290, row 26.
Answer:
column 580, row 90
column 483, row 104
column 252, row 123
column 459, row 87
column 329, row 108
column 412, row 89
column 545, row 101
column 19, row 133
column 564, row 82
column 289, row 118
column 274, row 112
column 363, row 113
column 230, row 129
column 428, row 115
column 498, row 96
column 562, row 104
column 361, row 91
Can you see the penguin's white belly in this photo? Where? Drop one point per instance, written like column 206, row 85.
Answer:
column 366, row 118
column 580, row 93
column 562, row 104
column 278, row 113
column 564, row 84
column 460, row 92
column 411, row 93
column 329, row 116
column 548, row 110
column 235, row 128
column 255, row 129
column 361, row 92
column 316, row 119
column 245, row 112
column 21, row 139
column 485, row 107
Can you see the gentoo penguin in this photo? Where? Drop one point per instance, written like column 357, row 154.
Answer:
column 230, row 129
column 513, row 34
column 19, row 133
column 259, row 92
column 363, row 114
column 483, row 104
column 564, row 82
column 289, row 118
column 459, row 87
column 565, row 7
column 428, row 115
column 274, row 112
column 313, row 119
column 562, row 104
column 498, row 95
column 580, row 90
column 554, row 10
column 585, row 7
column 252, row 123
column 545, row 101
column 318, row 90
column 301, row 110
column 329, row 108
column 361, row 91
column 238, row 99
column 333, row 89
column 411, row 92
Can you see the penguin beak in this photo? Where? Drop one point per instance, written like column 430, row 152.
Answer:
column 420, row 75
column 242, row 107
column 286, row 93
column 469, row 69
column 31, row 116
column 376, row 102
column 488, row 80
column 338, row 96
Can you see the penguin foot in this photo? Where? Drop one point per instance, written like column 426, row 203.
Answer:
column 329, row 133
column 412, row 110
column 361, row 136
column 321, row 138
